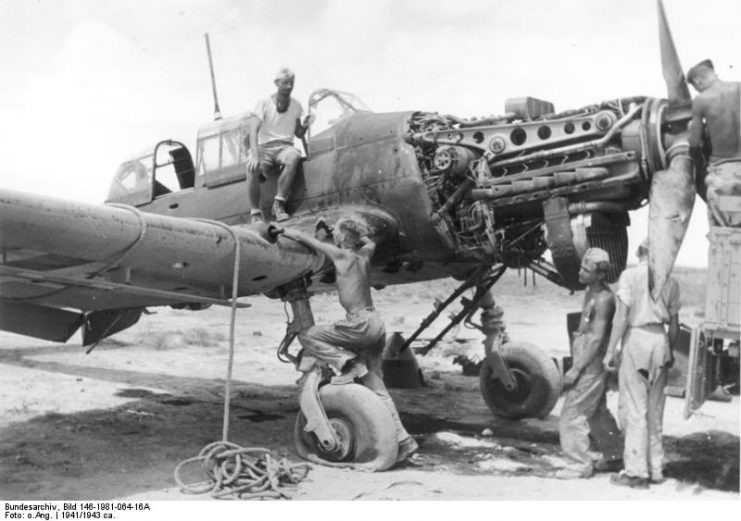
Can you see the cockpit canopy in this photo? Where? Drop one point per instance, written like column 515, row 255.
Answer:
column 221, row 153
column 328, row 107
column 167, row 168
column 221, row 149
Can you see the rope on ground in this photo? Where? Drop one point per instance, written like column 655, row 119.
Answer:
column 234, row 472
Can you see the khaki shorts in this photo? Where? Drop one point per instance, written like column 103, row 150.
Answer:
column 275, row 156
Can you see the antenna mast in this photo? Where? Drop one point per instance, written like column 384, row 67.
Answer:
column 217, row 112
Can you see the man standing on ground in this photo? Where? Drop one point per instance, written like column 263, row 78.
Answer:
column 277, row 119
column 353, row 347
column 716, row 111
column 645, row 357
column 585, row 407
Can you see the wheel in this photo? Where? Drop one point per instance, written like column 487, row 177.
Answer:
column 364, row 426
column 538, row 383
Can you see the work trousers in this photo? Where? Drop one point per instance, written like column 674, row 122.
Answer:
column 643, row 376
column 362, row 335
column 585, row 411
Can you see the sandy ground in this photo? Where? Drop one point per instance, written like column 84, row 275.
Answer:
column 115, row 423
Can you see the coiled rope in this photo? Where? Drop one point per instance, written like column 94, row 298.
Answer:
column 231, row 471
column 236, row 472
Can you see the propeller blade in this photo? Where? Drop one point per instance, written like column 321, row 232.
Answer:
column 677, row 90
column 671, row 200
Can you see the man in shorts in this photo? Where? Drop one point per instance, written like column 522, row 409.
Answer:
column 276, row 120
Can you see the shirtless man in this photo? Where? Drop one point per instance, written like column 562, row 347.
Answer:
column 353, row 347
column 717, row 111
column 585, row 409
column 277, row 119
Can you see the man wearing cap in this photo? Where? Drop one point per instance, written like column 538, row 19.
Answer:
column 646, row 355
column 716, row 113
column 277, row 119
column 585, row 408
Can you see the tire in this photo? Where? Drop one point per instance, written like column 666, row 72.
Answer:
column 364, row 425
column 538, row 383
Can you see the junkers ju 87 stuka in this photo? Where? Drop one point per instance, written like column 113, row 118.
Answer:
column 443, row 196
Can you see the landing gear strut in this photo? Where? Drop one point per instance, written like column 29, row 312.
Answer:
column 338, row 425
column 517, row 379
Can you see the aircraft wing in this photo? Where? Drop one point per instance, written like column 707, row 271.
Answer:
column 66, row 264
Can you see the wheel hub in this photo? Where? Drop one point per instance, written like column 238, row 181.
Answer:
column 345, row 445
column 523, row 385
column 522, row 389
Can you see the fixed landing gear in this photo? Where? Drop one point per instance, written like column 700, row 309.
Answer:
column 537, row 383
column 362, row 433
column 517, row 379
column 338, row 425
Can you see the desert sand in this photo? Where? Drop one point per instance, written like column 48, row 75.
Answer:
column 113, row 424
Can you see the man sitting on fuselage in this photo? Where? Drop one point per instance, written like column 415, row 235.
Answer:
column 277, row 119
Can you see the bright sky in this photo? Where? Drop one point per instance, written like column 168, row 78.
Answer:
column 86, row 84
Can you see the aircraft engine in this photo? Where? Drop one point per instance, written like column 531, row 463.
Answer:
column 507, row 188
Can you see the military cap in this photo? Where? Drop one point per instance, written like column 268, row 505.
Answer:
column 596, row 255
column 697, row 69
column 284, row 73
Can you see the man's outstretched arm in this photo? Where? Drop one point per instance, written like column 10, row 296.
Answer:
column 330, row 250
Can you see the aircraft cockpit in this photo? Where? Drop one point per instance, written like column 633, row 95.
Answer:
column 165, row 169
column 132, row 183
column 221, row 150
column 220, row 155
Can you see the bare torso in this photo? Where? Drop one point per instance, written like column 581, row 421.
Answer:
column 597, row 301
column 720, row 108
column 353, row 280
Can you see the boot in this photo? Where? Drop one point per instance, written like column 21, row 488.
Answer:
column 279, row 211
column 257, row 217
column 353, row 369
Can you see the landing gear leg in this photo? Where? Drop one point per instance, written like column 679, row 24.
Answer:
column 517, row 379
column 338, row 425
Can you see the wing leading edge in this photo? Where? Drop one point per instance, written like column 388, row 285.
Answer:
column 59, row 256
